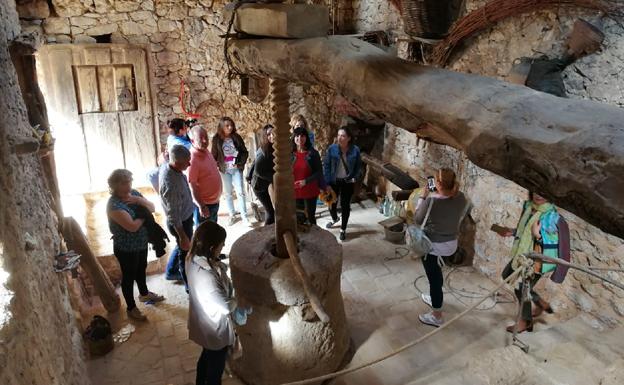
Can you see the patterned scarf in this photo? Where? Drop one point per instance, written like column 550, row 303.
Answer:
column 524, row 241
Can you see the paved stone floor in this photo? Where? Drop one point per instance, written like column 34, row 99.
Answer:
column 382, row 302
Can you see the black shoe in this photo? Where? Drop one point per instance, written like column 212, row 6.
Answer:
column 343, row 235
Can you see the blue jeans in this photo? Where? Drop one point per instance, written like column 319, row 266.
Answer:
column 175, row 266
column 234, row 178
column 213, row 216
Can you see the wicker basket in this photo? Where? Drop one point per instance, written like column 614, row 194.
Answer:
column 429, row 19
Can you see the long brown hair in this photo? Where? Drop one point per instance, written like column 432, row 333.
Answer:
column 265, row 145
column 207, row 236
column 222, row 124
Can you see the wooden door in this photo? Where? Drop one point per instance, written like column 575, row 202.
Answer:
column 101, row 112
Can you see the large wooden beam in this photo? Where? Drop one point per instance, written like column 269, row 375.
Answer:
column 570, row 151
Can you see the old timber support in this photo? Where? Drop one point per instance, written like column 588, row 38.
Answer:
column 570, row 151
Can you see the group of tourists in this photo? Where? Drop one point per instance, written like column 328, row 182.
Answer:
column 194, row 175
column 190, row 183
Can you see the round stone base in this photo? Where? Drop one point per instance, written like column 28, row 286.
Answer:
column 283, row 339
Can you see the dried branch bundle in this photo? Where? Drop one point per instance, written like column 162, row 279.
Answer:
column 497, row 10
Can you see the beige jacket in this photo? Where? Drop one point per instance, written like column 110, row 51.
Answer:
column 211, row 300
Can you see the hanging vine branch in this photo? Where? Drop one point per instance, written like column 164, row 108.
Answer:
column 498, row 10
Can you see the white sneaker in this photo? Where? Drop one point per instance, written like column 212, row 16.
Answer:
column 431, row 320
column 231, row 220
column 426, row 299
column 150, row 296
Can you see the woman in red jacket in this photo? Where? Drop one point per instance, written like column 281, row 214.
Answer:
column 307, row 172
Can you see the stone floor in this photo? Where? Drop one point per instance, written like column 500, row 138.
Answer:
column 382, row 302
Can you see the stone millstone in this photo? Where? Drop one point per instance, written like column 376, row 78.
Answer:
column 295, row 21
column 283, row 339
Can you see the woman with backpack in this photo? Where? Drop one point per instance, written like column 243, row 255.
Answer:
column 543, row 230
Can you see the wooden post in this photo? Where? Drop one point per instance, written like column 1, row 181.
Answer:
column 291, row 245
column 285, row 220
column 76, row 240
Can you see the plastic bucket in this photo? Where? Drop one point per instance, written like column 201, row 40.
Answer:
column 396, row 233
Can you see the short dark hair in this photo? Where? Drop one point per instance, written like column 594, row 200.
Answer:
column 347, row 131
column 303, row 132
column 176, row 125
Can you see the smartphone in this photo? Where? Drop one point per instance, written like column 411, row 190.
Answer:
column 431, row 183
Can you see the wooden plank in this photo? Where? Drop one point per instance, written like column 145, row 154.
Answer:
column 391, row 172
column 104, row 148
column 125, row 88
column 137, row 127
column 87, row 89
column 106, row 86
column 96, row 55
column 55, row 73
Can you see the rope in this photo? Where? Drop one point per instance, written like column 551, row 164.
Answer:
column 231, row 69
column 509, row 279
column 458, row 294
column 575, row 266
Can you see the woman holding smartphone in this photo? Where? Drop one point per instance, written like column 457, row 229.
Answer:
column 444, row 208
column 341, row 169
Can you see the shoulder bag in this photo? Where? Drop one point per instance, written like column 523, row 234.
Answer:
column 418, row 241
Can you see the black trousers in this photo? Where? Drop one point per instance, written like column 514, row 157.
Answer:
column 210, row 366
column 133, row 265
column 526, row 313
column 436, row 280
column 265, row 199
column 345, row 191
column 309, row 205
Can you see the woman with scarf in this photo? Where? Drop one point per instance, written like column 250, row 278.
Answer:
column 540, row 229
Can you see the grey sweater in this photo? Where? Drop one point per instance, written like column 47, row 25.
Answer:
column 175, row 195
column 445, row 217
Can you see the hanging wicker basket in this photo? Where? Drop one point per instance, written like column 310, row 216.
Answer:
column 429, row 19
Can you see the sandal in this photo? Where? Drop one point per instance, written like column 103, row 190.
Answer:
column 528, row 326
column 540, row 307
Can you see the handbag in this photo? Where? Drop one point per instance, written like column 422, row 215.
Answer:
column 418, row 241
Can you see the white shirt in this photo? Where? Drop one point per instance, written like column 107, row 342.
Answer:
column 229, row 153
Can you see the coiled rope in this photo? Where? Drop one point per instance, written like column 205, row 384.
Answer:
column 523, row 265
column 509, row 279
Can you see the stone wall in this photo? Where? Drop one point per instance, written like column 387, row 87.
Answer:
column 40, row 344
column 183, row 37
column 497, row 200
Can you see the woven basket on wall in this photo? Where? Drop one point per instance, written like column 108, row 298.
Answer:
column 428, row 19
